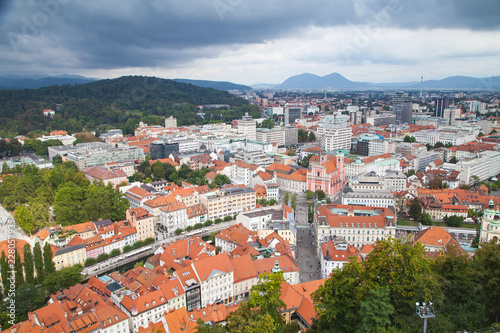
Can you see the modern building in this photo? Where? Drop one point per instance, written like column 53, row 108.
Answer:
column 402, row 107
column 292, row 114
column 161, row 149
column 334, row 134
column 373, row 198
column 247, row 126
column 170, row 122
column 441, row 104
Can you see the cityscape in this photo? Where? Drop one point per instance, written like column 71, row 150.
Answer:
column 185, row 177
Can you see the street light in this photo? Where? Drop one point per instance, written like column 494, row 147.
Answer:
column 425, row 311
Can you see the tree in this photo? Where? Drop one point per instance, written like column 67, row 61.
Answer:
column 38, row 258
column 227, row 218
column 439, row 144
column 4, row 270
column 157, row 170
column 47, row 259
column 454, row 221
column 89, row 262
column 475, row 181
column 267, row 123
column 320, row 194
column 18, row 269
column 221, row 180
column 178, row 231
column 487, row 259
column 28, row 264
column 312, row 137
column 294, row 201
column 291, row 152
column 63, row 278
column 309, row 194
column 435, row 183
column 286, row 198
column 410, row 139
column 305, row 161
column 115, row 252
column 415, row 209
column 453, row 160
column 426, row 219
column 375, row 311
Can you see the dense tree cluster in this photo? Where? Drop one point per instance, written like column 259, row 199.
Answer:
column 120, row 102
column 33, row 192
column 33, row 289
column 305, row 136
column 379, row 294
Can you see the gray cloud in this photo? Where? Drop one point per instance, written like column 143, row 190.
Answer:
column 118, row 34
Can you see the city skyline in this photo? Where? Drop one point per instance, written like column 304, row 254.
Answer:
column 250, row 43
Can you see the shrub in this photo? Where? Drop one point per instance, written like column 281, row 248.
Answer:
column 198, row 225
column 102, row 257
column 89, row 262
column 228, row 218
column 178, row 231
column 149, row 240
column 127, row 248
column 189, row 228
column 208, row 223
column 217, row 220
column 115, row 252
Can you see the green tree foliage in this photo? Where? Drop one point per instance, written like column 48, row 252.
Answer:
column 114, row 103
column 396, row 264
column 12, row 148
column 63, row 278
column 38, row 259
column 487, row 259
column 375, row 311
column 408, row 138
column 4, row 270
column 48, row 264
column 39, row 147
column 286, row 198
column 267, row 123
column 29, row 268
column 305, row 161
column 415, row 209
column 426, row 219
column 454, row 221
column 221, row 180
column 18, row 269
column 28, row 298
column 435, row 183
column 294, row 201
column 320, row 194
column 312, row 137
column 453, row 160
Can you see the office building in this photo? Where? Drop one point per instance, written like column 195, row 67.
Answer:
column 440, row 104
column 247, row 126
column 334, row 134
column 162, row 149
column 291, row 114
column 402, row 107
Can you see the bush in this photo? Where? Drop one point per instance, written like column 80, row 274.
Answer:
column 454, row 221
column 217, row 220
column 208, row 223
column 127, row 248
column 149, row 240
column 189, row 228
column 198, row 225
column 178, row 231
column 102, row 257
column 115, row 252
column 228, row 218
column 138, row 244
column 89, row 262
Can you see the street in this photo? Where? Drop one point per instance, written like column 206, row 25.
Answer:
column 305, row 255
column 15, row 231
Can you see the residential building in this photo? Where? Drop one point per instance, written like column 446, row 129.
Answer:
column 69, row 256
column 370, row 198
column 114, row 177
column 170, row 122
column 216, row 276
column 173, row 216
column 142, row 221
column 282, row 263
column 334, row 134
column 294, row 182
column 335, row 256
column 436, row 239
column 228, row 201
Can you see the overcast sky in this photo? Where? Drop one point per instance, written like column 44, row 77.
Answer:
column 251, row 41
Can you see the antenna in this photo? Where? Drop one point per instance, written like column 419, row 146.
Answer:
column 421, row 84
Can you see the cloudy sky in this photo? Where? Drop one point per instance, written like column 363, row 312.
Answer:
column 251, row 41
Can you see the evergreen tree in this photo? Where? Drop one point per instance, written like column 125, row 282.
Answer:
column 4, row 270
column 47, row 259
column 416, row 209
column 287, row 197
column 38, row 259
column 18, row 269
column 294, row 201
column 28, row 264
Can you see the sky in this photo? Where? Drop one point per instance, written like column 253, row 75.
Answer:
column 251, row 41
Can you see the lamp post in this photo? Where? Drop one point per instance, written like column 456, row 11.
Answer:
column 424, row 311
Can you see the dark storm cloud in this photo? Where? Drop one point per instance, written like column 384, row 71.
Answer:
column 116, row 34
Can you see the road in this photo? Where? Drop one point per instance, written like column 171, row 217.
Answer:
column 305, row 255
column 8, row 228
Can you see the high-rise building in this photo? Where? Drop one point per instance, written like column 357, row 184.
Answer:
column 334, row 134
column 170, row 122
column 402, row 107
column 247, row 126
column 162, row 149
column 440, row 104
column 292, row 114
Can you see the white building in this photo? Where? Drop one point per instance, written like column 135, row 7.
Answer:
column 433, row 136
column 374, row 198
column 247, row 126
column 170, row 122
column 216, row 278
column 333, row 136
column 479, row 167
column 174, row 216
column 335, row 256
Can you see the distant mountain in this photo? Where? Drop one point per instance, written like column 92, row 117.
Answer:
column 312, row 81
column 221, row 85
column 462, row 82
column 337, row 81
column 35, row 82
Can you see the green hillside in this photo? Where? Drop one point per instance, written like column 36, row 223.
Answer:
column 118, row 103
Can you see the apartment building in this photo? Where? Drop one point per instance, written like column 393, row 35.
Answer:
column 370, row 198
column 173, row 216
column 216, row 276
column 228, row 201
column 142, row 221
column 69, row 256
column 335, row 256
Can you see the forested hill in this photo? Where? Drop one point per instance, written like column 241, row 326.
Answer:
column 119, row 102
